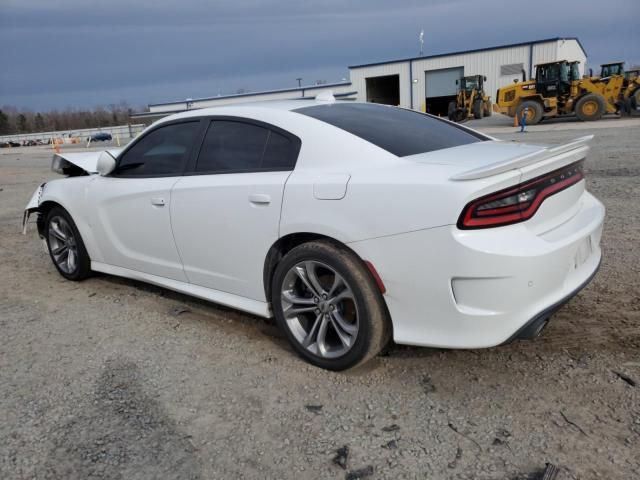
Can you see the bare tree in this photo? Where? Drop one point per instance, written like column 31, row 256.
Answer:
column 14, row 120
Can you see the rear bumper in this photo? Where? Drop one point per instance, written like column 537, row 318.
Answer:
column 473, row 289
column 534, row 327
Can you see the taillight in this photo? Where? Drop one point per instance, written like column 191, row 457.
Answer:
column 519, row 203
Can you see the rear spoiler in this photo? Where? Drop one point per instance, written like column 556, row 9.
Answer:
column 523, row 160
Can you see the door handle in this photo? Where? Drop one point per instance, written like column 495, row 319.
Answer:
column 260, row 198
column 158, row 201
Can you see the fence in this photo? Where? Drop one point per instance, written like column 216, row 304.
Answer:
column 123, row 131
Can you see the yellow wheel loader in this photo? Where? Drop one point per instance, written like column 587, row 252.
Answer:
column 471, row 101
column 559, row 91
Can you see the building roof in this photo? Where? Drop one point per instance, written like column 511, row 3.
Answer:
column 250, row 94
column 282, row 104
column 475, row 50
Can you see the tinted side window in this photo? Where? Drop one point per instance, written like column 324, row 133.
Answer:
column 398, row 131
column 232, row 146
column 235, row 146
column 161, row 152
column 279, row 152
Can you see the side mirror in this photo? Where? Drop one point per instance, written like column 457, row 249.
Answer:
column 457, row 81
column 106, row 163
column 485, row 78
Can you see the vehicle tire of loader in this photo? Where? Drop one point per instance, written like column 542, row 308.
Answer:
column 634, row 102
column 477, row 110
column 451, row 110
column 590, row 107
column 489, row 108
column 460, row 115
column 535, row 111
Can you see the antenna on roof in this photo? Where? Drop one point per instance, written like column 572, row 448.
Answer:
column 326, row 97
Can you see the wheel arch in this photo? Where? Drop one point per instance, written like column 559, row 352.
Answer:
column 290, row 241
column 70, row 196
column 43, row 210
column 532, row 98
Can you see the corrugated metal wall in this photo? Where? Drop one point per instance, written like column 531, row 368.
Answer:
column 570, row 50
column 486, row 63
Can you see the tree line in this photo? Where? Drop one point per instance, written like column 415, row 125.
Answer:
column 14, row 120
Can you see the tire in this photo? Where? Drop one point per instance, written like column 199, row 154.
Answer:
column 589, row 108
column 535, row 111
column 460, row 115
column 338, row 334
column 62, row 236
column 477, row 109
column 634, row 101
column 488, row 111
column 451, row 110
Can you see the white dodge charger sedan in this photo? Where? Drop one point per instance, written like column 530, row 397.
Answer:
column 351, row 223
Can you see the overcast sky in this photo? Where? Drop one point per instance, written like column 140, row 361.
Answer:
column 59, row 53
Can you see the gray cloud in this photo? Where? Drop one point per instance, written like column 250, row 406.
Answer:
column 76, row 53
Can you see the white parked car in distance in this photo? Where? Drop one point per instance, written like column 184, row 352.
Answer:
column 351, row 223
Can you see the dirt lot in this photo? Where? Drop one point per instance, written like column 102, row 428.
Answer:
column 110, row 378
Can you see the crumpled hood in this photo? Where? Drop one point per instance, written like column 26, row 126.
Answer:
column 87, row 161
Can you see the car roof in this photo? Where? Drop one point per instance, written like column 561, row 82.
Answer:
column 239, row 108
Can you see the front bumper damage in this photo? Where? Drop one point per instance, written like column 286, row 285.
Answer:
column 32, row 206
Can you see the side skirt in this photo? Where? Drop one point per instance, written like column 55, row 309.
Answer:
column 223, row 298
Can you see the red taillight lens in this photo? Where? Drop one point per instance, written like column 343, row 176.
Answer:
column 519, row 203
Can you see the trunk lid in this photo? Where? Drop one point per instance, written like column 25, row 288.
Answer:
column 491, row 166
column 485, row 159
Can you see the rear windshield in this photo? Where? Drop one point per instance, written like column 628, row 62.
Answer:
column 400, row 132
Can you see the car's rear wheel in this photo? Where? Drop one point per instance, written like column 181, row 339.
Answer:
column 329, row 306
column 65, row 245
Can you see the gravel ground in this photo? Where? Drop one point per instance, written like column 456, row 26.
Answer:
column 110, row 378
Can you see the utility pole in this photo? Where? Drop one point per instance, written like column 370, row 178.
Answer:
column 299, row 79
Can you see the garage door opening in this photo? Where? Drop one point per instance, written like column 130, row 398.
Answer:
column 441, row 89
column 384, row 89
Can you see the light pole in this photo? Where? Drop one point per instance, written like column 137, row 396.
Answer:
column 299, row 79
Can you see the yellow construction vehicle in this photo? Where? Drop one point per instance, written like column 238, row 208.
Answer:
column 558, row 90
column 629, row 98
column 471, row 101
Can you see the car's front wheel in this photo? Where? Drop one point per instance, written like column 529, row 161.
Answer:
column 329, row 306
column 65, row 245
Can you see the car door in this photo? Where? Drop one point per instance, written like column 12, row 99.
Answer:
column 132, row 221
column 225, row 211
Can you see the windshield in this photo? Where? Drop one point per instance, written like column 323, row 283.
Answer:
column 608, row 70
column 553, row 72
column 470, row 83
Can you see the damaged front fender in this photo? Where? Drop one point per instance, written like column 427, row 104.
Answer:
column 31, row 207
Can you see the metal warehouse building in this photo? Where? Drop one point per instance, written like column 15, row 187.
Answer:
column 426, row 83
